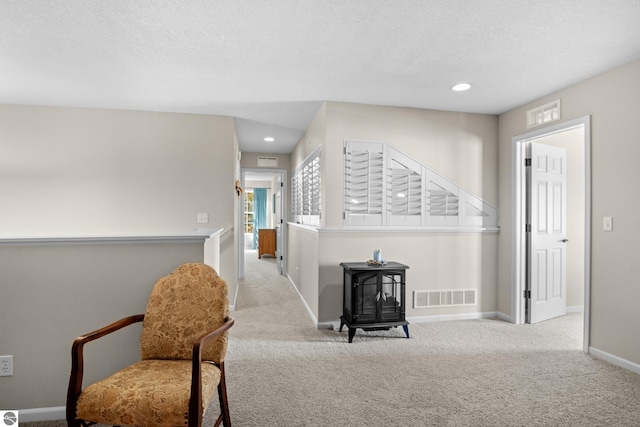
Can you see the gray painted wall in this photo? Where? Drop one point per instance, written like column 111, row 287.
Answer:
column 52, row 293
column 613, row 101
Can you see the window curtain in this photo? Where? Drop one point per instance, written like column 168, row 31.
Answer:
column 259, row 212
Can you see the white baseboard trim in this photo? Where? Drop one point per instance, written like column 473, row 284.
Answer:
column 232, row 307
column 615, row 360
column 42, row 414
column 304, row 303
column 575, row 309
column 504, row 317
column 328, row 325
column 335, row 324
column 448, row 317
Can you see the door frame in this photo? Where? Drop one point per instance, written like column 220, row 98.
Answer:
column 284, row 201
column 519, row 261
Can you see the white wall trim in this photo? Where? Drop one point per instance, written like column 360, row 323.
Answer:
column 575, row 309
column 232, row 307
column 410, row 229
column 42, row 414
column 329, row 325
column 615, row 360
column 335, row 324
column 306, row 227
column 449, row 317
column 304, row 303
column 504, row 317
column 196, row 236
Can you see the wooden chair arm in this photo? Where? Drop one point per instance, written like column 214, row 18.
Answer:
column 99, row 333
column 77, row 359
column 195, row 402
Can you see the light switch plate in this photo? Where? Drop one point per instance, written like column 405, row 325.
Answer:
column 607, row 223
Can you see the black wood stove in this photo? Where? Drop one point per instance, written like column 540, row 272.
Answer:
column 373, row 297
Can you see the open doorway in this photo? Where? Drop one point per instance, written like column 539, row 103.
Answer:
column 574, row 136
column 263, row 217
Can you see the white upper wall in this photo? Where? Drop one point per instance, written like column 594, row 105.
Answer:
column 73, row 171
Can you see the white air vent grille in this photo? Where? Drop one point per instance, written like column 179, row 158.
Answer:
column 543, row 114
column 444, row 298
column 267, row 162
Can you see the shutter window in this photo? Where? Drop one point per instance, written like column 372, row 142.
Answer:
column 314, row 188
column 383, row 186
column 364, row 183
column 443, row 205
column 478, row 212
column 305, row 191
column 404, row 190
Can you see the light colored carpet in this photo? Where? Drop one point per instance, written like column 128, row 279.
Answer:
column 282, row 371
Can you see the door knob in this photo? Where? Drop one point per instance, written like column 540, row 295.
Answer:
column 564, row 240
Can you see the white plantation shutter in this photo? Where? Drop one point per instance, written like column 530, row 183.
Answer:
column 364, row 183
column 383, row 186
column 314, row 187
column 305, row 191
column 404, row 190
column 296, row 195
column 478, row 212
column 442, row 199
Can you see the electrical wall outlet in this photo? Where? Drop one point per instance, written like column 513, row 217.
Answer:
column 6, row 366
column 203, row 218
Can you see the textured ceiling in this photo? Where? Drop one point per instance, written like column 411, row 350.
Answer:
column 270, row 64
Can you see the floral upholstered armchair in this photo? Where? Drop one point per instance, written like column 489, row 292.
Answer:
column 182, row 346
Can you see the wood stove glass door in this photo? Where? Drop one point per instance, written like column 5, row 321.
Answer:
column 366, row 309
column 391, row 298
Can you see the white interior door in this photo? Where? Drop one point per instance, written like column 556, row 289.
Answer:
column 547, row 259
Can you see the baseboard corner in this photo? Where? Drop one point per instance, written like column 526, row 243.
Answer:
column 331, row 325
column 502, row 316
column 614, row 360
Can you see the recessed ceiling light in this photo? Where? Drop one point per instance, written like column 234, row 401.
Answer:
column 269, row 139
column 460, row 87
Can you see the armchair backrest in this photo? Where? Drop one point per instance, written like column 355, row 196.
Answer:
column 185, row 305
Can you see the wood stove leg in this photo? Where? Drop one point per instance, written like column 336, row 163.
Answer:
column 341, row 324
column 406, row 330
column 352, row 332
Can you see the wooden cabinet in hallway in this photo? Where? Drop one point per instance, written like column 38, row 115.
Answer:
column 266, row 242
